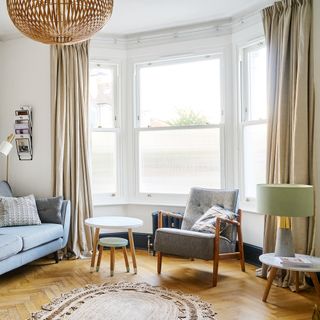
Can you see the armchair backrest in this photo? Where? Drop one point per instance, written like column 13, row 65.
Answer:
column 201, row 199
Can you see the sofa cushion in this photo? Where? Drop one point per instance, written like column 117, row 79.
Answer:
column 34, row 236
column 49, row 210
column 9, row 245
column 18, row 211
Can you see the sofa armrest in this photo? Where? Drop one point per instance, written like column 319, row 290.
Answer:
column 65, row 217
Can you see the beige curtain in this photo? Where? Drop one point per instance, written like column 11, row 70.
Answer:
column 70, row 76
column 287, row 26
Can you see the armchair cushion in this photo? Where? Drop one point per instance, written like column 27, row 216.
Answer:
column 207, row 222
column 190, row 244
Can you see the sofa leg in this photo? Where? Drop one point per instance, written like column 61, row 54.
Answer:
column 159, row 262
column 56, row 256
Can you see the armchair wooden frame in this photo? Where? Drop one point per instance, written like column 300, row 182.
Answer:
column 217, row 256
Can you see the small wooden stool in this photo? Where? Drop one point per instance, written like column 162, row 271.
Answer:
column 113, row 243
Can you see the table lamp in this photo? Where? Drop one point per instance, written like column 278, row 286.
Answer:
column 5, row 148
column 284, row 201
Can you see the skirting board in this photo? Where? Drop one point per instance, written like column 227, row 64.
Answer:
column 251, row 252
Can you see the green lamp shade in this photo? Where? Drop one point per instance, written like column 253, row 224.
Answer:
column 286, row 200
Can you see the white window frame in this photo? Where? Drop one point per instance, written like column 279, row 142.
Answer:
column 102, row 198
column 244, row 113
column 171, row 197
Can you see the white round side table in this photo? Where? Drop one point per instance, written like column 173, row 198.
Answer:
column 114, row 223
column 275, row 263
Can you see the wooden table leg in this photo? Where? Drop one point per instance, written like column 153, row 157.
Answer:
column 112, row 261
column 272, row 274
column 99, row 258
column 125, row 255
column 315, row 281
column 133, row 251
column 297, row 280
column 94, row 248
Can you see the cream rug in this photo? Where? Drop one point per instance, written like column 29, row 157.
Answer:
column 125, row 301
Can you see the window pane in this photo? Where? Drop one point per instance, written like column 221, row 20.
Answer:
column 101, row 96
column 255, row 150
column 104, row 162
column 173, row 161
column 257, row 84
column 185, row 93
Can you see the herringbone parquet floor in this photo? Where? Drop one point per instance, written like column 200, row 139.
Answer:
column 237, row 296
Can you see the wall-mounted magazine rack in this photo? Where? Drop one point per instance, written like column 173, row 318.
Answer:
column 23, row 132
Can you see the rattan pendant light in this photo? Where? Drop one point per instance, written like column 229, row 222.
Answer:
column 59, row 21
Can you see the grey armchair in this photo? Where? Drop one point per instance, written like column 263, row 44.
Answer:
column 191, row 244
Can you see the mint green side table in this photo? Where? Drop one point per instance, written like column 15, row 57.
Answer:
column 112, row 243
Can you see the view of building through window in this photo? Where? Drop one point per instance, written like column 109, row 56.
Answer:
column 180, row 93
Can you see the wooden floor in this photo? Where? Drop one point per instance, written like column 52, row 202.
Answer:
column 237, row 296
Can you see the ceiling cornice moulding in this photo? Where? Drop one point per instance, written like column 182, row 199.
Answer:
column 184, row 33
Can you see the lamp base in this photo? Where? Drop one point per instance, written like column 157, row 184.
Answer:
column 284, row 243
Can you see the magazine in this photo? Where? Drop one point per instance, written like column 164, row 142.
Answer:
column 295, row 262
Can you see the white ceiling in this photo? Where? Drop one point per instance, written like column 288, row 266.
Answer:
column 134, row 16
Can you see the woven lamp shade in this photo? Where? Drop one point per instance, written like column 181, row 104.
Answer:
column 59, row 21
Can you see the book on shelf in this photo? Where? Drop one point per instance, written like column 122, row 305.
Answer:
column 295, row 262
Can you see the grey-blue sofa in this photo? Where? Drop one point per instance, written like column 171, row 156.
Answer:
column 24, row 244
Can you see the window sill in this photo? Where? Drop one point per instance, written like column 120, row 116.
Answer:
column 137, row 203
column 105, row 200
column 244, row 206
column 249, row 207
column 164, row 204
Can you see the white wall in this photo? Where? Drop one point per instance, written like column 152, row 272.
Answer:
column 25, row 80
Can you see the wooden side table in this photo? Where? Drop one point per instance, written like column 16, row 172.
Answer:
column 114, row 223
column 275, row 263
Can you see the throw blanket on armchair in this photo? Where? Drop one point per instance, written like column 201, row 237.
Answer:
column 207, row 222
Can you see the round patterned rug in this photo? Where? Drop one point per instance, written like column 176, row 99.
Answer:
column 125, row 301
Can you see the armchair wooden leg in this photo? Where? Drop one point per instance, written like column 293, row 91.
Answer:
column 240, row 241
column 216, row 246
column 215, row 272
column 159, row 256
column 240, row 244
